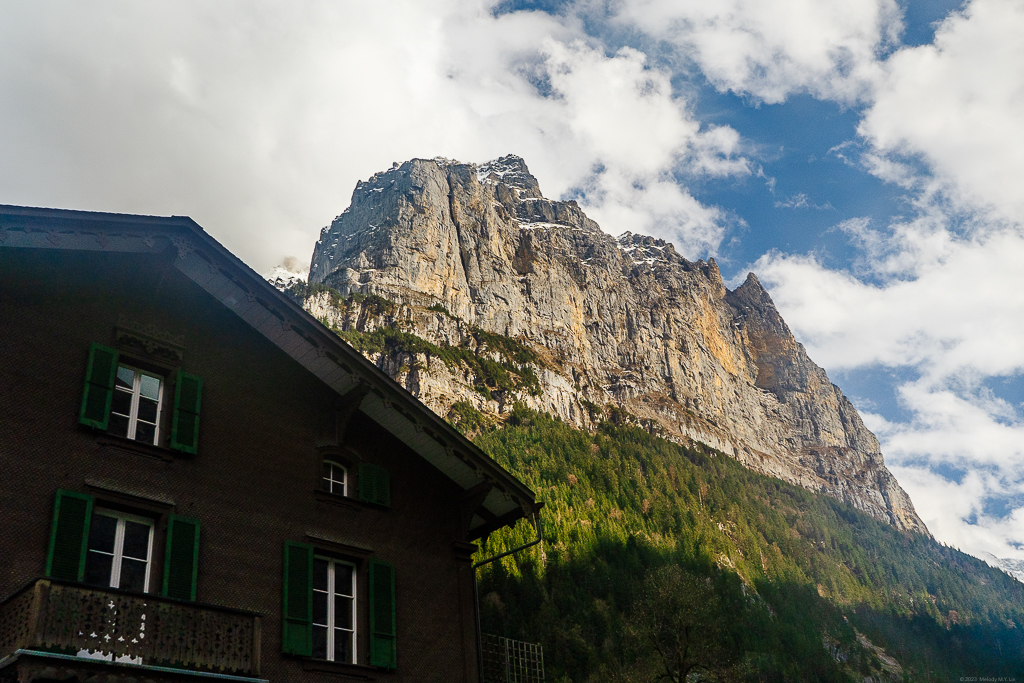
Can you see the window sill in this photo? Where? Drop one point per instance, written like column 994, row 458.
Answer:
column 356, row 671
column 117, row 443
column 152, row 503
column 337, row 499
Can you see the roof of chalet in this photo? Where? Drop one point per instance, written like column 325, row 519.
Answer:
column 277, row 317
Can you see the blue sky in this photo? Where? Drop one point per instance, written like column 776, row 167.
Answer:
column 864, row 157
column 814, row 189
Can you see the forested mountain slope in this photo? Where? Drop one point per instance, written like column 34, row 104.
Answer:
column 644, row 538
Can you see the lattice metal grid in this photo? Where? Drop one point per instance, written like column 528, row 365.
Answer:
column 511, row 661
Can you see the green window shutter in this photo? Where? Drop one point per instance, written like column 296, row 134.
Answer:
column 297, row 632
column 382, row 615
column 69, row 534
column 181, row 559
column 99, row 386
column 188, row 394
column 374, row 484
column 365, row 482
column 383, row 487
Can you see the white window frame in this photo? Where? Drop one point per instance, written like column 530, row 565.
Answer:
column 133, row 416
column 331, row 618
column 331, row 482
column 115, row 566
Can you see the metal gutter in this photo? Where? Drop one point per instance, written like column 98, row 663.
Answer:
column 476, row 588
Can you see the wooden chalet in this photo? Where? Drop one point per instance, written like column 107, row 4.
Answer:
column 199, row 480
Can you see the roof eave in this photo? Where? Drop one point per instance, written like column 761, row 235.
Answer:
column 456, row 447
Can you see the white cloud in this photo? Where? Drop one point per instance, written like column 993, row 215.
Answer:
column 944, row 303
column 655, row 205
column 800, row 201
column 257, row 118
column 957, row 107
column 963, row 429
column 636, row 134
column 954, row 511
column 769, row 50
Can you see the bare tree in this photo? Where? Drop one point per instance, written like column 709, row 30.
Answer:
column 679, row 619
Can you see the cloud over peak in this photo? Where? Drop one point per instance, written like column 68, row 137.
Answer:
column 769, row 51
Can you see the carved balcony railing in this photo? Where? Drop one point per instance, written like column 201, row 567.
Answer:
column 99, row 624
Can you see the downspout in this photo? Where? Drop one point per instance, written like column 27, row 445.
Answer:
column 476, row 589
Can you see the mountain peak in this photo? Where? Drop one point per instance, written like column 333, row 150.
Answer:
column 614, row 326
column 510, row 170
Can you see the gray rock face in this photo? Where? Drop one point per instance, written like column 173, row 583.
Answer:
column 622, row 322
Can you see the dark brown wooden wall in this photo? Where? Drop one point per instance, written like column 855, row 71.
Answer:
column 252, row 483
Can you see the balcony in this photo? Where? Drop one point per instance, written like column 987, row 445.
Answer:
column 511, row 661
column 87, row 626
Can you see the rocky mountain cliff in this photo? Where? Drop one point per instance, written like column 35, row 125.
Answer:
column 472, row 290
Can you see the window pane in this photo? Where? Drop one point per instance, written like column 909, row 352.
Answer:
column 121, row 402
column 319, row 574
column 343, row 579
column 125, row 378
column 334, row 478
column 320, row 642
column 101, row 533
column 118, row 425
column 342, row 646
column 133, row 575
column 97, row 568
column 150, row 387
column 136, row 540
column 147, row 410
column 342, row 611
column 319, row 608
column 146, row 433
